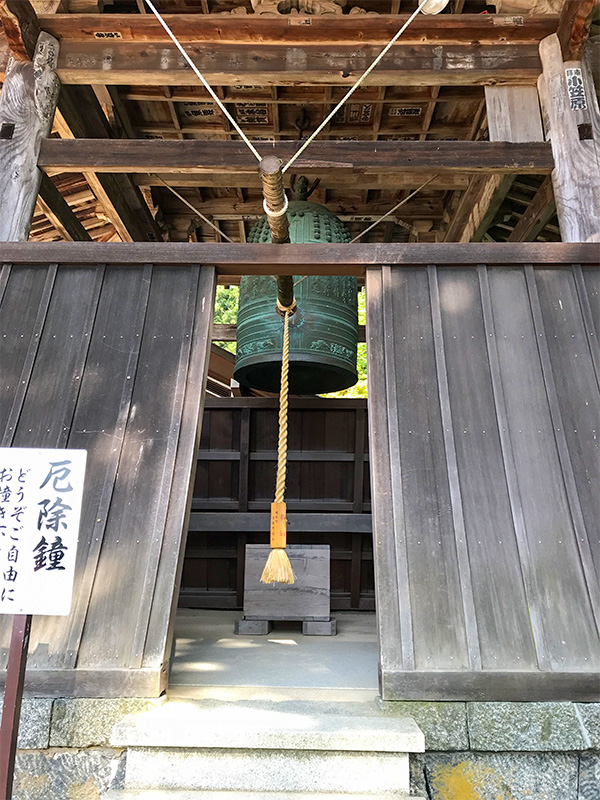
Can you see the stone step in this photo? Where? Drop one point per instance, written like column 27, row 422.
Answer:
column 186, row 794
column 266, row 726
column 266, row 747
column 267, row 770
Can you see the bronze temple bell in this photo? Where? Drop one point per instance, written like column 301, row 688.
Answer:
column 324, row 329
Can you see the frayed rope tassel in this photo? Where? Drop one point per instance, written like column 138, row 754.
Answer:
column 278, row 568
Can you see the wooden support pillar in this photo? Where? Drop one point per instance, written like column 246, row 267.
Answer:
column 27, row 107
column 513, row 116
column 572, row 122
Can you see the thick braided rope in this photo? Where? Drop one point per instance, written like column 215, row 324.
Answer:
column 283, row 411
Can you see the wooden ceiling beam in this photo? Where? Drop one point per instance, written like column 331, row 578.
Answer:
column 335, row 180
column 514, row 119
column 134, row 63
column 199, row 95
column 347, row 210
column 409, row 128
column 260, row 32
column 139, row 155
column 299, row 259
column 536, row 215
column 59, row 213
column 120, row 197
column 574, row 27
column 21, row 28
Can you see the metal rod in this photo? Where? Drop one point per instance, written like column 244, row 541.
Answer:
column 13, row 695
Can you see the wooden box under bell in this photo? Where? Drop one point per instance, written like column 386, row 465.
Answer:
column 324, row 329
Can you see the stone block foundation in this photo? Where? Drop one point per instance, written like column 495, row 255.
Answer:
column 474, row 751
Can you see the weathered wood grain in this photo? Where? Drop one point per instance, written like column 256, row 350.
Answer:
column 494, row 686
column 24, row 308
column 47, row 405
column 293, row 259
column 556, row 572
column 574, row 136
column 58, row 212
column 567, row 353
column 151, row 64
column 532, row 599
column 306, row 598
column 267, row 31
column 513, row 116
column 391, row 587
column 495, row 441
column 499, row 597
column 27, row 106
column 574, row 27
column 158, row 640
column 194, row 156
column 21, row 28
column 99, row 428
column 460, row 535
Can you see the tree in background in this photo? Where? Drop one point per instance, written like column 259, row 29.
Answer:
column 226, row 308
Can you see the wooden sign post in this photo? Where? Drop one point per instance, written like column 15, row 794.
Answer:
column 41, row 494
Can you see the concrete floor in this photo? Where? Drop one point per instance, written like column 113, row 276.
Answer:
column 211, row 661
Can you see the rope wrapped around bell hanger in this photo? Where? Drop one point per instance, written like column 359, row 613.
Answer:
column 275, row 204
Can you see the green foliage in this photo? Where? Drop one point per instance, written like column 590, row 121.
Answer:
column 226, row 308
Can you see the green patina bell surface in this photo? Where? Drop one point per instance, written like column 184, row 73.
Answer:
column 324, row 329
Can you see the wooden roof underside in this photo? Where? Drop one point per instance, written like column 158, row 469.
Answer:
column 274, row 106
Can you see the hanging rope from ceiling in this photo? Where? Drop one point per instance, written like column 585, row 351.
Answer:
column 423, row 5
column 195, row 210
column 391, row 211
column 353, row 88
column 205, row 83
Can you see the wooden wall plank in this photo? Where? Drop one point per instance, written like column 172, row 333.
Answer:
column 161, row 620
column 588, row 290
column 460, row 535
column 564, row 604
column 504, row 624
column 168, row 496
column 99, row 427
column 394, row 625
column 49, row 403
column 22, row 316
column 145, row 468
column 431, row 558
column 574, row 398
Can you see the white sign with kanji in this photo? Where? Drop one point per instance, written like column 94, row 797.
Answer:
column 41, row 492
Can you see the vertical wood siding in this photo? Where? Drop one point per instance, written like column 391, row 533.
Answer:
column 484, row 410
column 111, row 360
